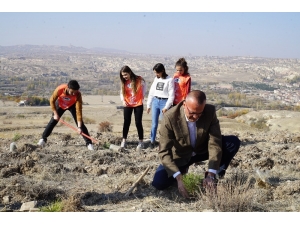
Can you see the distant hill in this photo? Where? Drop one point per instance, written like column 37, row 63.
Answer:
column 25, row 49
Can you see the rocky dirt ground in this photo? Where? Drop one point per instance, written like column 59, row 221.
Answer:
column 263, row 177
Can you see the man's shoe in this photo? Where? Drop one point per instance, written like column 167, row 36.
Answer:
column 41, row 142
column 221, row 173
column 123, row 144
column 90, row 147
column 140, row 146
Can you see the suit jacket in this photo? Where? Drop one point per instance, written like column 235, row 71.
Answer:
column 175, row 148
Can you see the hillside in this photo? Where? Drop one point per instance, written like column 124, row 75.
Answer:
column 263, row 177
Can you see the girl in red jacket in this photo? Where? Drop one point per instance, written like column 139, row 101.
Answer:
column 182, row 81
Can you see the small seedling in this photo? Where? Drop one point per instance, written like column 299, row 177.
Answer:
column 192, row 182
column 106, row 145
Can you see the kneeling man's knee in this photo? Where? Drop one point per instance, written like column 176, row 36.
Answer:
column 158, row 185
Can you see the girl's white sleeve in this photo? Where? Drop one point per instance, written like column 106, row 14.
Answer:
column 151, row 94
column 171, row 93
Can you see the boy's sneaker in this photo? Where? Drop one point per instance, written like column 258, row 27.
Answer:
column 90, row 147
column 41, row 142
column 123, row 144
column 140, row 146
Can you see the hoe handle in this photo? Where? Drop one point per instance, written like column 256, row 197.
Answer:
column 74, row 128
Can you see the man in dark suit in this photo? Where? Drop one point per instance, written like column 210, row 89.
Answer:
column 189, row 133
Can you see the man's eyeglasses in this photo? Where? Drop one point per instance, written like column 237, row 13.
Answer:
column 193, row 113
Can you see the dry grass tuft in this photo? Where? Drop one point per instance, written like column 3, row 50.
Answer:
column 7, row 122
column 237, row 113
column 67, row 119
column 88, row 120
column 105, row 126
column 234, row 194
column 72, row 204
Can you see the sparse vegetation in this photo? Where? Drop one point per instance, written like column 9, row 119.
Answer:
column 56, row 206
column 67, row 118
column 231, row 113
column 88, row 120
column 20, row 116
column 6, row 122
column 16, row 137
column 237, row 113
column 260, row 123
column 235, row 194
column 69, row 204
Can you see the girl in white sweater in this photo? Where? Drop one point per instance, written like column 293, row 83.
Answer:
column 160, row 97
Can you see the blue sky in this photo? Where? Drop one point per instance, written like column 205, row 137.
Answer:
column 228, row 32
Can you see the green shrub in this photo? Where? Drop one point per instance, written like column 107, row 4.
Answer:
column 37, row 101
column 16, row 137
column 192, row 183
column 260, row 124
column 56, row 206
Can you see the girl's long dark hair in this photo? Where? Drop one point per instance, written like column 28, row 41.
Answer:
column 160, row 68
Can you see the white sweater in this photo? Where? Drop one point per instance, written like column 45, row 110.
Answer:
column 162, row 88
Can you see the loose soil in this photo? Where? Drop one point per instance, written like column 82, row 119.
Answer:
column 266, row 166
